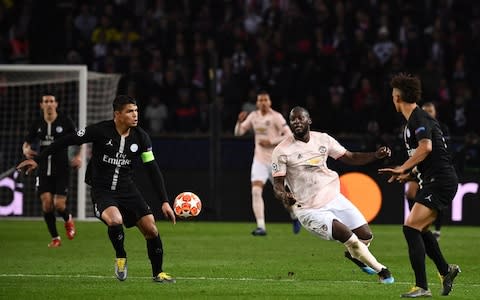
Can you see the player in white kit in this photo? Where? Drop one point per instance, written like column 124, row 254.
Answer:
column 269, row 128
column 301, row 162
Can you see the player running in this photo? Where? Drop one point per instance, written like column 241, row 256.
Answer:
column 54, row 170
column 300, row 161
column 117, row 144
column 270, row 128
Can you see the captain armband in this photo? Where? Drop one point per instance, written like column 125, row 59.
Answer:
column 147, row 156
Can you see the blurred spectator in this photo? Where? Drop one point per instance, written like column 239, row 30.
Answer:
column 185, row 116
column 468, row 156
column 156, row 115
column 85, row 22
column 251, row 103
column 252, row 21
column 299, row 50
column 384, row 47
column 104, row 31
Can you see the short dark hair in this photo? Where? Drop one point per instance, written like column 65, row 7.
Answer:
column 409, row 86
column 300, row 109
column 49, row 92
column 263, row 92
column 122, row 100
column 428, row 104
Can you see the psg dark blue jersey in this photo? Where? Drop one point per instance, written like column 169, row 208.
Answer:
column 113, row 155
column 420, row 126
column 44, row 134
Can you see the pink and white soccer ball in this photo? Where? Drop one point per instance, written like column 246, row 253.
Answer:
column 187, row 205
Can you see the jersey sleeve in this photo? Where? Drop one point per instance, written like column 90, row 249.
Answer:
column 420, row 126
column 82, row 136
column 146, row 151
column 335, row 150
column 245, row 126
column 283, row 129
column 279, row 163
column 148, row 159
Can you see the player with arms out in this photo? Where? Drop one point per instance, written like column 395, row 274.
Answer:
column 301, row 162
column 269, row 128
column 429, row 161
column 53, row 173
column 412, row 186
column 116, row 200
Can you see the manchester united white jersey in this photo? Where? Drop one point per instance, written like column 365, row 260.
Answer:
column 310, row 180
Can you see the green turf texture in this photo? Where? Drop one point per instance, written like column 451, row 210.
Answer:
column 219, row 261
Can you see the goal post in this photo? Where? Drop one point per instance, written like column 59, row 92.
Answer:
column 84, row 96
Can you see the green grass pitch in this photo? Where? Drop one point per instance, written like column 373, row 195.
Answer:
column 219, row 261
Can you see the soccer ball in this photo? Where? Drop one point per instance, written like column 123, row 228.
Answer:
column 187, row 205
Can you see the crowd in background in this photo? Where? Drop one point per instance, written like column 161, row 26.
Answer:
column 335, row 57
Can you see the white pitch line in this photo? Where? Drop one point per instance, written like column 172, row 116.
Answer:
column 140, row 277
column 221, row 279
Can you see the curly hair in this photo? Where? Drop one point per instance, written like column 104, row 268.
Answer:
column 409, row 86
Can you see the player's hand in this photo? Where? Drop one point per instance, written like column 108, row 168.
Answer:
column 404, row 178
column 394, row 172
column 29, row 153
column 383, row 152
column 288, row 199
column 76, row 162
column 168, row 212
column 242, row 116
column 265, row 143
column 27, row 165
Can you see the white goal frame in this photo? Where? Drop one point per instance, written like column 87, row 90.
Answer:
column 82, row 116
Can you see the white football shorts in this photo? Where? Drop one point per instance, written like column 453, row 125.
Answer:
column 261, row 172
column 319, row 220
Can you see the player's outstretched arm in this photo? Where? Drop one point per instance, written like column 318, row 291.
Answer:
column 363, row 158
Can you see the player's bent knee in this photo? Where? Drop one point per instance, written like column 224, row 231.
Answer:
column 60, row 207
column 150, row 231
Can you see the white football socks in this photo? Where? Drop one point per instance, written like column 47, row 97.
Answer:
column 258, row 206
column 360, row 251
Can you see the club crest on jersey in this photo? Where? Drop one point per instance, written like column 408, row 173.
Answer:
column 322, row 149
column 134, row 147
column 81, row 132
column 59, row 129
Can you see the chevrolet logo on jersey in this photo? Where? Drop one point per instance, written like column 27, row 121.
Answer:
column 314, row 161
column 261, row 130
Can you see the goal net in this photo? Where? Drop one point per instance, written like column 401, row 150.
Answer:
column 85, row 97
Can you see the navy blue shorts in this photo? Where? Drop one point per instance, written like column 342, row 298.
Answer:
column 57, row 185
column 130, row 203
column 438, row 194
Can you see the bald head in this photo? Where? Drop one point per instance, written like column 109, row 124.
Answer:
column 300, row 110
